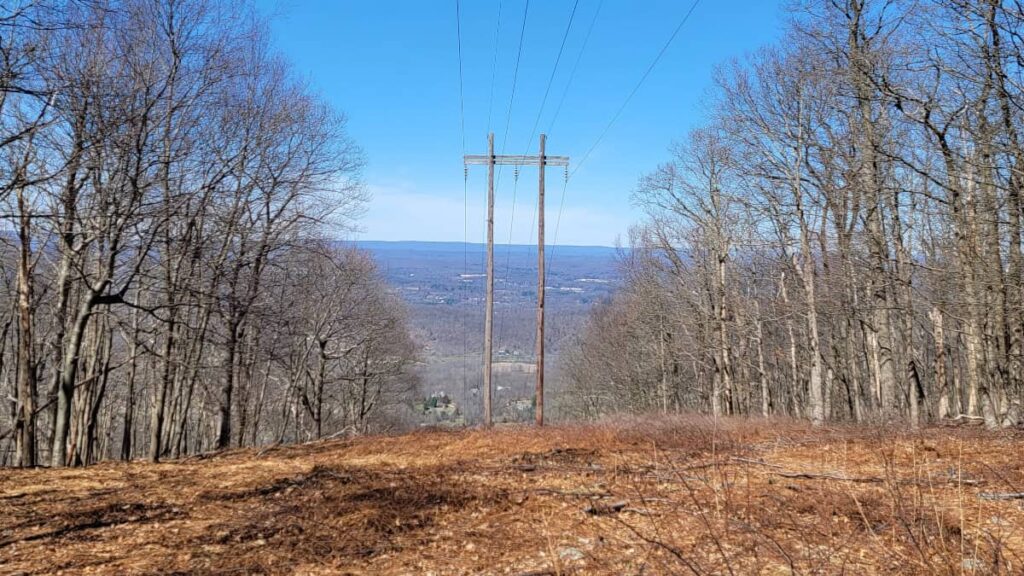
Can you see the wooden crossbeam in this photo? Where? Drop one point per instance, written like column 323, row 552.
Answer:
column 512, row 160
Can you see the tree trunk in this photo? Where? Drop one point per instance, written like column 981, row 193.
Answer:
column 25, row 434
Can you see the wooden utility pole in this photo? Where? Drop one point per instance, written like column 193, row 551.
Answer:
column 539, row 392
column 491, row 161
column 489, row 314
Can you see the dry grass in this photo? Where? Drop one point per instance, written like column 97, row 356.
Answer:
column 652, row 496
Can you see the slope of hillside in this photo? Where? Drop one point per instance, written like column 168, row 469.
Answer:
column 674, row 496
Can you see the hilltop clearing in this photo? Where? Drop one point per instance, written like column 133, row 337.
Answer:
column 661, row 496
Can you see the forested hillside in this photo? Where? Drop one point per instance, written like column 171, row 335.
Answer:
column 166, row 184
column 842, row 239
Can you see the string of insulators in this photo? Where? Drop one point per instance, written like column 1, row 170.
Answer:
column 566, row 168
column 516, row 172
column 465, row 172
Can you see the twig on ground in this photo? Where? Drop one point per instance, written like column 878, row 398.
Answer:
column 809, row 475
column 573, row 493
column 599, row 509
column 1001, row 495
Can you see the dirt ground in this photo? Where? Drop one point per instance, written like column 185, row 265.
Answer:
column 683, row 496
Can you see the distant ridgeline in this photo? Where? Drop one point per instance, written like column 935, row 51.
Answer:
column 450, row 273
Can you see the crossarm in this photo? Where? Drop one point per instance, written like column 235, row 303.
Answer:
column 516, row 160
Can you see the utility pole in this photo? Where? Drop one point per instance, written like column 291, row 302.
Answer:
column 490, row 160
column 489, row 314
column 539, row 392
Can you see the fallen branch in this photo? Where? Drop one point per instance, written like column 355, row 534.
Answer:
column 534, row 467
column 203, row 455
column 604, row 509
column 640, row 511
column 270, row 448
column 809, row 475
column 783, row 472
column 346, row 431
column 1001, row 495
column 573, row 493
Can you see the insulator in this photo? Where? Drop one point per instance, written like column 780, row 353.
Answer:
column 566, row 174
column 516, row 172
column 465, row 172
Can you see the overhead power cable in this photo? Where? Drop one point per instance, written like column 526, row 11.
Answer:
column 494, row 68
column 504, row 139
column 615, row 117
column 575, row 66
column 465, row 195
column 636, row 88
column 515, row 76
column 547, row 90
column 551, row 79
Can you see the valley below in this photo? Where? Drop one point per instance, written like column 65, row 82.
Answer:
column 442, row 285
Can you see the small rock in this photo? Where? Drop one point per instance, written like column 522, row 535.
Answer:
column 569, row 553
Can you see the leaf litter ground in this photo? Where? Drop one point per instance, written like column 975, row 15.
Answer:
column 653, row 496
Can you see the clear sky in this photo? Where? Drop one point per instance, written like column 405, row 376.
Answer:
column 392, row 67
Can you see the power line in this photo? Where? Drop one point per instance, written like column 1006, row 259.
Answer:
column 533, row 132
column 558, row 222
column 504, row 142
column 636, row 88
column 508, row 251
column 615, row 117
column 465, row 195
column 508, row 117
column 575, row 66
column 551, row 79
column 494, row 68
column 515, row 77
column 462, row 98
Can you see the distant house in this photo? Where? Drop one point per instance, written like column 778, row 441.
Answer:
column 518, row 410
column 440, row 410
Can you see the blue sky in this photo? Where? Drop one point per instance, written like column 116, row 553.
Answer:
column 393, row 68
